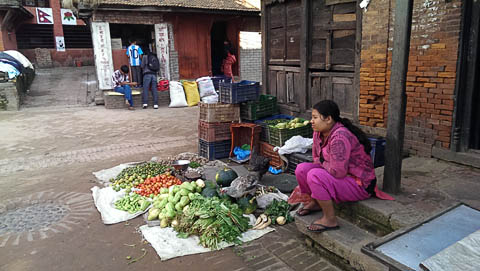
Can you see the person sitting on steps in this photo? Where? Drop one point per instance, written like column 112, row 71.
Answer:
column 122, row 85
column 342, row 169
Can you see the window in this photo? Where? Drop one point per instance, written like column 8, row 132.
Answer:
column 77, row 36
column 30, row 36
column 36, row 3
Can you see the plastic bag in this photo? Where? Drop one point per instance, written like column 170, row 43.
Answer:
column 191, row 91
column 274, row 171
column 298, row 197
column 241, row 153
column 264, row 200
column 177, row 95
column 295, row 144
column 205, row 87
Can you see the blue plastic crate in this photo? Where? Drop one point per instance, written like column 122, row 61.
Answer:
column 264, row 135
column 214, row 150
column 234, row 93
column 220, row 78
column 296, row 158
column 378, row 151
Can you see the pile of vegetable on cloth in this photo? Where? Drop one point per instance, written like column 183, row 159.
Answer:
column 193, row 216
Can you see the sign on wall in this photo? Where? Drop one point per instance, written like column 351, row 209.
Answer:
column 68, row 17
column 60, row 41
column 44, row 16
column 161, row 41
column 102, row 50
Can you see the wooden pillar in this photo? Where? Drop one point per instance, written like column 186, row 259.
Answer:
column 398, row 99
column 304, row 57
column 264, row 21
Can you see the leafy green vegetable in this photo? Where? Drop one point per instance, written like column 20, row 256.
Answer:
column 275, row 121
column 278, row 208
column 213, row 220
column 194, row 164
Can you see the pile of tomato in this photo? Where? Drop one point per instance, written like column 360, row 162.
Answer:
column 152, row 186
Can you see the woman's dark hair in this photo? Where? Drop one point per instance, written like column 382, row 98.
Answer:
column 330, row 108
column 124, row 68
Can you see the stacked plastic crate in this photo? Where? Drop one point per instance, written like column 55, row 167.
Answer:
column 242, row 94
column 214, row 136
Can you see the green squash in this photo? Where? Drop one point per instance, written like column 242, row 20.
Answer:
column 248, row 204
column 225, row 177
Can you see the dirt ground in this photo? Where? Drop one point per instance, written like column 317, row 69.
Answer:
column 47, row 156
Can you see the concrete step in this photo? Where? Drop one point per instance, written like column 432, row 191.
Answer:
column 342, row 246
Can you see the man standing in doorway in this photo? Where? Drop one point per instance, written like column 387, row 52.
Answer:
column 134, row 53
column 150, row 67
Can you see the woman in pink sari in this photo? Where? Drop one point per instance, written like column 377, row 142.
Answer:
column 342, row 169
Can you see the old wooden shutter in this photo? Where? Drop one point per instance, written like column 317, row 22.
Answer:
column 333, row 86
column 284, row 29
column 332, row 32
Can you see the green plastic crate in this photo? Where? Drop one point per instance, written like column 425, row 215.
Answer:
column 264, row 107
column 277, row 137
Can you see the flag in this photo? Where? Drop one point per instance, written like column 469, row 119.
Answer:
column 44, row 16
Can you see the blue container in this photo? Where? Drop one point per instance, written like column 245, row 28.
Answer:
column 378, row 151
column 243, row 91
column 214, row 150
column 220, row 78
column 264, row 135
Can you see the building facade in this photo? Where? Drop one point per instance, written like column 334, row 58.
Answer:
column 47, row 34
column 337, row 50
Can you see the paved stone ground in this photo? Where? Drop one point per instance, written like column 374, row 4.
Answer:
column 47, row 155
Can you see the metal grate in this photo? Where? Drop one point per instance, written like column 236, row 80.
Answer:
column 31, row 36
column 77, row 36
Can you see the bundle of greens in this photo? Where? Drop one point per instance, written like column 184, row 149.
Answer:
column 278, row 208
column 213, row 220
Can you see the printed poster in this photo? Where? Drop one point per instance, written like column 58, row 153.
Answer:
column 102, row 49
column 161, row 41
column 44, row 16
column 68, row 17
column 60, row 41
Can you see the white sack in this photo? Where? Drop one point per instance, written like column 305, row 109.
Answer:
column 212, row 99
column 177, row 95
column 295, row 144
column 168, row 245
column 205, row 87
column 104, row 199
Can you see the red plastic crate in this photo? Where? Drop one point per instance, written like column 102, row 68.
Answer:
column 214, row 131
column 267, row 151
column 245, row 133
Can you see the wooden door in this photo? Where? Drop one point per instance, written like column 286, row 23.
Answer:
column 333, row 86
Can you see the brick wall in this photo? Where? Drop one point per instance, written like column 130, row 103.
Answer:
column 50, row 57
column 250, row 56
column 431, row 71
column 251, row 64
column 120, row 17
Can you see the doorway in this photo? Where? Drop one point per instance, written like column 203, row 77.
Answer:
column 466, row 134
column 218, row 35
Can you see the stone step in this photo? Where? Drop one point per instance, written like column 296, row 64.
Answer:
column 113, row 100
column 375, row 215
column 342, row 246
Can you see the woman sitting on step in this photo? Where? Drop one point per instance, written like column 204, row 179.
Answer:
column 342, row 169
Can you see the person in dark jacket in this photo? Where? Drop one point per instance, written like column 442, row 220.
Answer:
column 149, row 82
